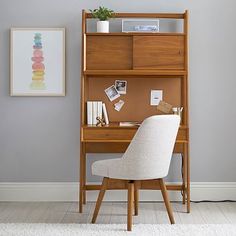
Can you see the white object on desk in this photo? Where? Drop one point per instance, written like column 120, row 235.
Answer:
column 89, row 112
column 104, row 109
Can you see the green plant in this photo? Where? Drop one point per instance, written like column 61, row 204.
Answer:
column 102, row 13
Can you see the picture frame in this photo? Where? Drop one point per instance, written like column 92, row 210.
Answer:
column 121, row 86
column 37, row 62
column 112, row 93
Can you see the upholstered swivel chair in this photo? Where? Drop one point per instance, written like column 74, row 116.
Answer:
column 147, row 158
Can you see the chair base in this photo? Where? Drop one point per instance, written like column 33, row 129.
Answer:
column 133, row 187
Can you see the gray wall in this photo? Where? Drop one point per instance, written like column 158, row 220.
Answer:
column 39, row 137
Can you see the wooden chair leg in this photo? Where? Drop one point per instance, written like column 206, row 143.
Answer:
column 130, row 205
column 100, row 197
column 166, row 200
column 136, row 198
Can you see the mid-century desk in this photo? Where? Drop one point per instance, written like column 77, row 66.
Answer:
column 145, row 61
column 115, row 139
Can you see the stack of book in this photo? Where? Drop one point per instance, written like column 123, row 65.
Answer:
column 96, row 109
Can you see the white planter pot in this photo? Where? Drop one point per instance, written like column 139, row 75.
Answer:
column 103, row 26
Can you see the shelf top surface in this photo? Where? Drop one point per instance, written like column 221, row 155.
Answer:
column 143, row 15
column 115, row 125
column 136, row 33
column 136, row 72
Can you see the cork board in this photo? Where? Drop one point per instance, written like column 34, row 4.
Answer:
column 137, row 99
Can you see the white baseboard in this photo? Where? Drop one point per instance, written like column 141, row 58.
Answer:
column 57, row 191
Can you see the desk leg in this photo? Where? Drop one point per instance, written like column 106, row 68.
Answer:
column 84, row 177
column 184, row 169
column 188, row 179
column 82, row 180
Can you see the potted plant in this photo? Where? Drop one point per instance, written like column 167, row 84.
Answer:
column 103, row 14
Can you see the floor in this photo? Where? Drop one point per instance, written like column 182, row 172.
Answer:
column 152, row 213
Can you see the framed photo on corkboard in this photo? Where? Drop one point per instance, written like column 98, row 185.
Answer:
column 37, row 62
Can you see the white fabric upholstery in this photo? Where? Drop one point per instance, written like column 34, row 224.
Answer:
column 149, row 153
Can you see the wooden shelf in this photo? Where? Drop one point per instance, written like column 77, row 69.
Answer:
column 115, row 125
column 175, row 187
column 112, row 125
column 145, row 15
column 136, row 72
column 135, row 33
column 158, row 61
column 120, row 141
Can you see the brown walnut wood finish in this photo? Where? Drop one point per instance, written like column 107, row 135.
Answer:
column 146, row 15
column 92, row 133
column 137, row 100
column 133, row 187
column 109, row 52
column 147, row 61
column 163, row 52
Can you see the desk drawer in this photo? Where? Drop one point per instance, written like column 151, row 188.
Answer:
column 96, row 134
column 108, row 134
column 118, row 147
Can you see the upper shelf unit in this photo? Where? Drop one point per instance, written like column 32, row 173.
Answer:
column 152, row 53
column 155, row 52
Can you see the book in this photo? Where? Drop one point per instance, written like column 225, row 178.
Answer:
column 89, row 113
column 129, row 123
column 95, row 112
column 104, row 109
column 99, row 107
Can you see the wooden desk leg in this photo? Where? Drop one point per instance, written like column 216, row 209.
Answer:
column 82, row 181
column 188, row 178
column 136, row 197
column 184, row 166
column 84, row 177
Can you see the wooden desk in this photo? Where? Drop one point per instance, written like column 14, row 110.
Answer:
column 115, row 139
column 146, row 61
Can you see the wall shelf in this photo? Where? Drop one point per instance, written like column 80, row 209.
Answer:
column 135, row 34
column 145, row 15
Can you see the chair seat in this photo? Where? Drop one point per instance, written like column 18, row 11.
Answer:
column 101, row 168
column 118, row 169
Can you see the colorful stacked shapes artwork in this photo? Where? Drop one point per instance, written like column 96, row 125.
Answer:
column 38, row 66
column 37, row 62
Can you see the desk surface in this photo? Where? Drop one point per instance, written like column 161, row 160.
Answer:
column 115, row 133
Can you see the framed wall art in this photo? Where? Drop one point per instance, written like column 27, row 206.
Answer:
column 37, row 62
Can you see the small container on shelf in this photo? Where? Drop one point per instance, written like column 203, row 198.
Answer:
column 140, row 25
column 177, row 111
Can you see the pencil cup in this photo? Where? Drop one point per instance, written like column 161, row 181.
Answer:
column 178, row 111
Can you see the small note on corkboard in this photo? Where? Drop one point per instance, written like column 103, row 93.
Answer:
column 164, row 107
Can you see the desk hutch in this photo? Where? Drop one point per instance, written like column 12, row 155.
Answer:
column 146, row 61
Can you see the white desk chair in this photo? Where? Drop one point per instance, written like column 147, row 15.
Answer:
column 147, row 158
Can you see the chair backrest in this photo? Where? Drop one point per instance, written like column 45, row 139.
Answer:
column 149, row 153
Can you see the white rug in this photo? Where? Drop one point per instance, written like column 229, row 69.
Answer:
column 113, row 230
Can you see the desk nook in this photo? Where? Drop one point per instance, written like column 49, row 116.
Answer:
column 146, row 61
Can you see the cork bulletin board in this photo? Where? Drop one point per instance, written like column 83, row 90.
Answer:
column 137, row 99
